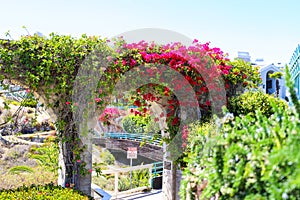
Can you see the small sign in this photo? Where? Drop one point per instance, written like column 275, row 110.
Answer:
column 132, row 153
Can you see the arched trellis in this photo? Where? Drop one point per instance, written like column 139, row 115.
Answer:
column 66, row 74
column 48, row 66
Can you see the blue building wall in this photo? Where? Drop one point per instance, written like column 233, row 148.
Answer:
column 294, row 69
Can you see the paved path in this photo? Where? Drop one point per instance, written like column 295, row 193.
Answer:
column 153, row 195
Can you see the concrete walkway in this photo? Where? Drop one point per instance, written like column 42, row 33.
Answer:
column 152, row 195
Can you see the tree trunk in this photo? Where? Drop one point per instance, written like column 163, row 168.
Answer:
column 75, row 157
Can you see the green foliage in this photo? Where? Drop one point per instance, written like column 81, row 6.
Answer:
column 140, row 178
column 27, row 102
column 290, row 86
column 276, row 75
column 30, row 101
column 107, row 157
column 241, row 73
column 250, row 101
column 20, row 169
column 139, row 124
column 46, row 155
column 39, row 192
column 251, row 155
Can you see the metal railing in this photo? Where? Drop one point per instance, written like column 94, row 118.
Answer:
column 154, row 140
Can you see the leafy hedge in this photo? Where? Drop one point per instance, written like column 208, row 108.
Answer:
column 251, row 156
column 247, row 159
column 249, row 102
column 140, row 124
column 49, row 191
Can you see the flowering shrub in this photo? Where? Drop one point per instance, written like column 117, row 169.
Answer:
column 199, row 64
column 108, row 114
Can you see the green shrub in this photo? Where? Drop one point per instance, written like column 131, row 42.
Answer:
column 43, row 192
column 139, row 124
column 140, row 178
column 46, row 155
column 250, row 157
column 30, row 103
column 249, row 102
column 107, row 157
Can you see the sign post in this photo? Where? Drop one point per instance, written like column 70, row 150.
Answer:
column 131, row 154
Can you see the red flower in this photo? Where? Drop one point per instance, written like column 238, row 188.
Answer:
column 175, row 121
column 68, row 103
column 144, row 110
column 137, row 103
column 207, row 103
column 166, row 91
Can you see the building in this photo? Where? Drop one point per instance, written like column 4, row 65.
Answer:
column 294, row 68
column 274, row 86
column 244, row 56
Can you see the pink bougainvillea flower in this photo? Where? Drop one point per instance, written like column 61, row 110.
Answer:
column 162, row 114
column 90, row 170
column 132, row 62
column 27, row 90
column 225, row 72
column 109, row 58
column 78, row 161
column 68, row 103
column 97, row 99
column 109, row 113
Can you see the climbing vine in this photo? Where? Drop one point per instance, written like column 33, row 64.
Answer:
column 48, row 66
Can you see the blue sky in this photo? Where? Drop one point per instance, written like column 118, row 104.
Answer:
column 265, row 28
